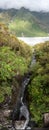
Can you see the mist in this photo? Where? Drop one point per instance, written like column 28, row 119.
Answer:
column 33, row 5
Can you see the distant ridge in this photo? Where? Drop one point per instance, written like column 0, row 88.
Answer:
column 30, row 23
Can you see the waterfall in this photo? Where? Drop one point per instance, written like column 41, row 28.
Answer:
column 20, row 110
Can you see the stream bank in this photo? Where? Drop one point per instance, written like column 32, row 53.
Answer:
column 18, row 117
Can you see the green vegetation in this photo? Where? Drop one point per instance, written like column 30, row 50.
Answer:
column 10, row 65
column 38, row 90
column 14, row 59
column 23, row 22
column 24, row 27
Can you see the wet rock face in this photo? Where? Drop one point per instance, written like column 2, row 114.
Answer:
column 46, row 119
column 19, row 125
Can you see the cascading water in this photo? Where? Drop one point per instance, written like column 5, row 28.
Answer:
column 20, row 110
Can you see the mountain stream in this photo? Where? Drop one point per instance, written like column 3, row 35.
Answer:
column 20, row 111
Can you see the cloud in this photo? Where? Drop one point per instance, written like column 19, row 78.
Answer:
column 34, row 5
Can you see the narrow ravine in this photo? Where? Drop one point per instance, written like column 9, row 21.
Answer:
column 19, row 117
column 20, row 111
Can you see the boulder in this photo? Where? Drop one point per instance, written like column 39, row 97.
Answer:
column 6, row 113
column 46, row 119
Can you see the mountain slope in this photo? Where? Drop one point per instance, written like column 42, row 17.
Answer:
column 26, row 23
column 14, row 59
column 38, row 90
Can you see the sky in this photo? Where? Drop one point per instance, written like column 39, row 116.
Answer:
column 33, row 5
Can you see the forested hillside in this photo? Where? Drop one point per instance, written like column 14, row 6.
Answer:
column 14, row 59
column 24, row 22
column 38, row 90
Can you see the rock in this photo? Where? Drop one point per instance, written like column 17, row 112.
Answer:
column 46, row 119
column 5, row 122
column 28, row 128
column 0, row 126
column 19, row 125
column 7, row 113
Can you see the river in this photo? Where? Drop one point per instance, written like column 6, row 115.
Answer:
column 33, row 40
